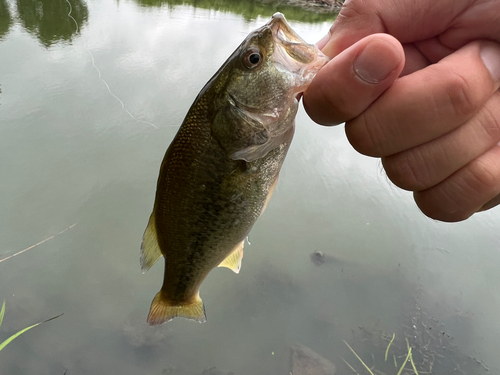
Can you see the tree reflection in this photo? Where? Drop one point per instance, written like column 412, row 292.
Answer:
column 5, row 19
column 250, row 9
column 48, row 20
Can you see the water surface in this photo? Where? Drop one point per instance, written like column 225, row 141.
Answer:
column 86, row 115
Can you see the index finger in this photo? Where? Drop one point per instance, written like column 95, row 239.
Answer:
column 406, row 20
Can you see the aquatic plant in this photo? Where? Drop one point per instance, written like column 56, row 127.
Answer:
column 15, row 335
column 433, row 350
column 409, row 358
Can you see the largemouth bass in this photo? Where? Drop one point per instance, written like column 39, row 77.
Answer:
column 221, row 168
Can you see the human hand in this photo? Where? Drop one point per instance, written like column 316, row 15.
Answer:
column 417, row 84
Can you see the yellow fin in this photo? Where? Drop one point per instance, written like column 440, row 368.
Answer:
column 150, row 250
column 163, row 311
column 233, row 260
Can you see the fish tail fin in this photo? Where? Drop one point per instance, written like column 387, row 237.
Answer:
column 150, row 249
column 163, row 310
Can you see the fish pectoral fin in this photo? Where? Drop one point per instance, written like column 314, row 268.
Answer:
column 163, row 310
column 254, row 152
column 233, row 260
column 150, row 249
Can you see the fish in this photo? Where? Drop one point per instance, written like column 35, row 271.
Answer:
column 222, row 166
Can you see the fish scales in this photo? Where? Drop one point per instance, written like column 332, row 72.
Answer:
column 221, row 168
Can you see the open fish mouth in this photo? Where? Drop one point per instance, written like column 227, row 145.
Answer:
column 296, row 47
column 294, row 53
column 283, row 30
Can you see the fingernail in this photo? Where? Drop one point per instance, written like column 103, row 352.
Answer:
column 377, row 61
column 322, row 42
column 490, row 54
column 492, row 203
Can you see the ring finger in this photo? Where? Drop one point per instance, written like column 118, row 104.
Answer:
column 466, row 191
column 424, row 166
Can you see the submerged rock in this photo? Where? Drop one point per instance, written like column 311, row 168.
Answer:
column 305, row 361
column 318, row 258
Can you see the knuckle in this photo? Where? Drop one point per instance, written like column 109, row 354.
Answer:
column 408, row 170
column 460, row 95
column 480, row 177
column 366, row 135
column 463, row 194
column 490, row 120
column 352, row 9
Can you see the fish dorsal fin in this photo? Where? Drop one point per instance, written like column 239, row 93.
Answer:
column 150, row 249
column 233, row 260
column 162, row 310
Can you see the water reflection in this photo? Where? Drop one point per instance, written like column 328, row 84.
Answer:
column 70, row 154
column 250, row 9
column 48, row 20
column 5, row 19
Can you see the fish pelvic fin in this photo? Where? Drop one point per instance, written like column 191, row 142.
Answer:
column 163, row 310
column 150, row 249
column 233, row 260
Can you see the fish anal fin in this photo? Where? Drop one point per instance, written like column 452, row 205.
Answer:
column 233, row 260
column 163, row 310
column 150, row 249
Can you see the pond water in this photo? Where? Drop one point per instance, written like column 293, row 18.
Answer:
column 87, row 110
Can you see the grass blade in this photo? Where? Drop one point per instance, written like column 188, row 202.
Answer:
column 411, row 356
column 2, row 313
column 6, row 342
column 388, row 346
column 404, row 362
column 357, row 356
column 9, row 340
column 352, row 368
column 413, row 365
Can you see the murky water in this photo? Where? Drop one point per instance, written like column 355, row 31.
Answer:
column 85, row 118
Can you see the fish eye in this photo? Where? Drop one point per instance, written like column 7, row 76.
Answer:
column 252, row 58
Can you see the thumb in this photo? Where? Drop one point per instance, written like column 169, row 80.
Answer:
column 355, row 78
